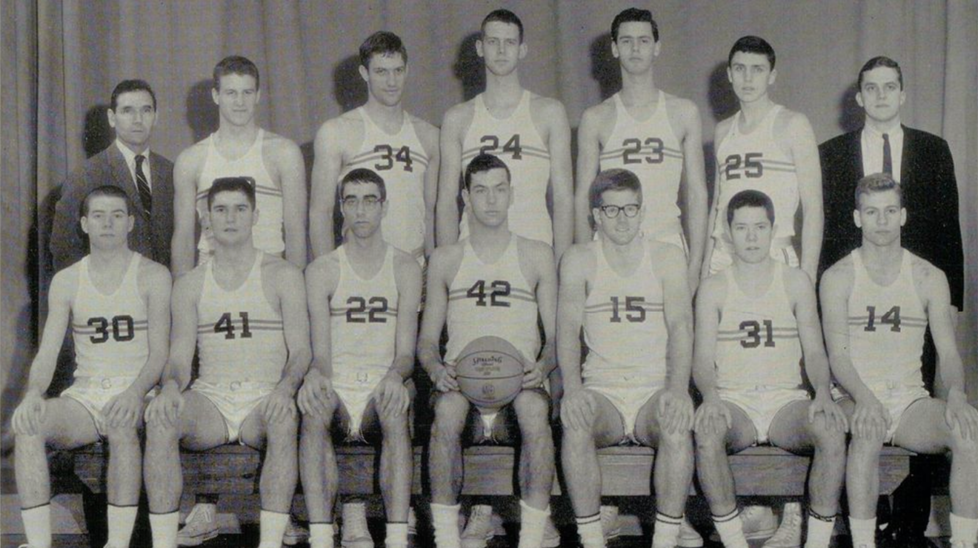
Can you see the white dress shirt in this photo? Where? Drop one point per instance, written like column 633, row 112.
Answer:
column 130, row 157
column 872, row 149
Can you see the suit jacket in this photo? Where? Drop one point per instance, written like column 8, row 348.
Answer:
column 150, row 236
column 930, row 194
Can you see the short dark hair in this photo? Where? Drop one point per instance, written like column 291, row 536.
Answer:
column 244, row 185
column 753, row 44
column 235, row 64
column 128, row 86
column 110, row 191
column 363, row 175
column 613, row 179
column 503, row 16
column 634, row 15
column 877, row 62
column 750, row 198
column 383, row 43
column 482, row 163
column 877, row 182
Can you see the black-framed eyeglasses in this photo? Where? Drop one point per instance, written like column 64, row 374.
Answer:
column 611, row 211
column 370, row 203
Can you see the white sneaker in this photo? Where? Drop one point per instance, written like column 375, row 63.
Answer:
column 551, row 536
column 294, row 533
column 479, row 529
column 201, row 525
column 963, row 544
column 789, row 532
column 610, row 526
column 688, row 537
column 759, row 522
column 412, row 522
column 355, row 531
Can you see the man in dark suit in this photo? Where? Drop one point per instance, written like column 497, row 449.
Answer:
column 128, row 164
column 923, row 166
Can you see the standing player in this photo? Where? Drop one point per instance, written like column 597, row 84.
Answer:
column 380, row 136
column 652, row 134
column 631, row 297
column 118, row 303
column 877, row 302
column 491, row 283
column 529, row 132
column 363, row 302
column 246, row 312
column 755, row 321
column 239, row 148
column 769, row 148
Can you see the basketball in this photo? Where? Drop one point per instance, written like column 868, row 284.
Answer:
column 490, row 372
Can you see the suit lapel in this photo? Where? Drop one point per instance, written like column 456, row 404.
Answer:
column 906, row 160
column 856, row 153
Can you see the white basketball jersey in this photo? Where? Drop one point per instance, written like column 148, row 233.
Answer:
column 240, row 336
column 757, row 339
column 400, row 159
column 110, row 331
column 625, row 324
column 363, row 322
column 755, row 161
column 492, row 299
column 886, row 326
column 268, row 234
column 651, row 150
column 515, row 141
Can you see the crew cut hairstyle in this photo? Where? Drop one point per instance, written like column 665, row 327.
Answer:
column 363, row 175
column 111, row 191
column 877, row 62
column 244, row 185
column 484, row 162
column 235, row 64
column 613, row 179
column 502, row 16
column 877, row 182
column 128, row 86
column 753, row 44
column 382, row 43
column 634, row 15
column 750, row 198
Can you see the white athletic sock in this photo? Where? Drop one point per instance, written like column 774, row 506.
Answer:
column 819, row 530
column 164, row 528
column 320, row 535
column 37, row 525
column 273, row 526
column 121, row 521
column 863, row 532
column 532, row 523
column 731, row 530
column 964, row 529
column 666, row 532
column 589, row 529
column 444, row 518
column 397, row 534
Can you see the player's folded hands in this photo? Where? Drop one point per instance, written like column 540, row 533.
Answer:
column 279, row 406
column 315, row 394
column 29, row 414
column 532, row 373
column 391, row 396
column 123, row 410
column 712, row 416
column 577, row 409
column 832, row 413
column 444, row 379
column 676, row 411
column 870, row 420
column 164, row 409
column 958, row 413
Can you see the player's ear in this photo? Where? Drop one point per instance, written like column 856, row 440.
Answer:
column 110, row 114
column 465, row 197
column 257, row 96
column 131, row 219
column 614, row 50
column 903, row 216
column 478, row 48
column 857, row 219
column 903, row 97
column 657, row 48
column 772, row 77
column 729, row 74
column 254, row 218
column 363, row 72
column 859, row 98
column 523, row 50
column 215, row 94
column 84, row 224
column 383, row 208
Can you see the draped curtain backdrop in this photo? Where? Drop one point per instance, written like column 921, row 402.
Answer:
column 60, row 60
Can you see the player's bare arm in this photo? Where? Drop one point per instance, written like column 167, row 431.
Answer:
column 391, row 396
column 186, row 170
column 694, row 178
column 428, row 135
column 330, row 146
column 453, row 128
column 550, row 115
column 712, row 414
column 804, row 151
column 588, row 162
column 675, row 406
column 288, row 167
column 576, row 267
column 29, row 414
column 722, row 129
column 290, row 292
column 537, row 259
column 322, row 277
column 442, row 268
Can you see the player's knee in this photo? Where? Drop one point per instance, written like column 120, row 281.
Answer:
column 120, row 436
column 865, row 446
column 676, row 440
column 314, row 426
column 158, row 433
column 451, row 408
column 709, row 439
column 531, row 404
column 826, row 438
column 284, row 430
column 24, row 441
column 394, row 425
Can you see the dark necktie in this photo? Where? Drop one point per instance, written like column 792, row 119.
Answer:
column 145, row 195
column 887, row 158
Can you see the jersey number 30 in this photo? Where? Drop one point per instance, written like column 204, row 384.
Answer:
column 122, row 329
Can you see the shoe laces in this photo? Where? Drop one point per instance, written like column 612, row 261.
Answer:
column 203, row 511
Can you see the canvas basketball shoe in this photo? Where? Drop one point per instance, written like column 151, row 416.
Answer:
column 200, row 526
column 355, row 531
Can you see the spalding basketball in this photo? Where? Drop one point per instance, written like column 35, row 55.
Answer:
column 489, row 372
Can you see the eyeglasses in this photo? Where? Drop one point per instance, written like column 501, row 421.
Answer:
column 611, row 211
column 370, row 203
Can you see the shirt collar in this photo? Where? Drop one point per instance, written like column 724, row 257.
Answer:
column 874, row 133
column 129, row 155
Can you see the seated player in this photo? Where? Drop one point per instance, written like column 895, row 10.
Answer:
column 491, row 283
column 363, row 301
column 877, row 302
column 118, row 303
column 755, row 321
column 246, row 312
column 630, row 295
